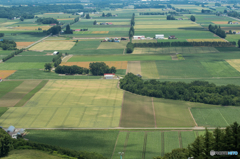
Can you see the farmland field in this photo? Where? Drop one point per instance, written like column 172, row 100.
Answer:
column 187, row 137
column 134, row 67
column 235, row 63
column 149, row 70
column 5, row 73
column 23, row 44
column 8, row 86
column 31, row 59
column 21, row 65
column 113, row 45
column 53, row 46
column 171, row 141
column 206, row 40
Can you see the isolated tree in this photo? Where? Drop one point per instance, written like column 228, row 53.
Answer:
column 5, row 143
column 103, row 14
column 22, row 19
column 192, row 18
column 88, row 16
column 95, row 22
column 48, row 66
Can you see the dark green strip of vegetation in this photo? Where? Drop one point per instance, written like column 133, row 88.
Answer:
column 3, row 110
column 31, row 93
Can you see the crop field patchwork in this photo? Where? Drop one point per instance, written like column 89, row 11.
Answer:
column 113, row 45
column 216, row 116
column 23, row 44
column 5, row 73
column 100, row 32
column 46, row 27
column 172, row 50
column 13, row 97
column 21, row 65
column 53, row 46
column 19, row 58
column 117, row 64
column 134, row 67
column 220, row 69
column 235, row 63
column 149, row 70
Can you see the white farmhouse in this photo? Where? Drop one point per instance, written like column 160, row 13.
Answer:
column 159, row 36
column 109, row 75
column 139, row 37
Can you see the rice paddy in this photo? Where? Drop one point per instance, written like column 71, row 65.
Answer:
column 53, row 46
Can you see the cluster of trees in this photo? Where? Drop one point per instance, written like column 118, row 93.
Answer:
column 47, row 21
column 179, row 43
column 233, row 14
column 219, row 140
column 88, row 16
column 218, row 4
column 106, row 15
column 68, row 30
column 192, row 18
column 140, row 6
column 182, row 10
column 71, row 70
column 131, row 30
column 217, row 30
column 206, row 11
column 54, row 30
column 152, row 13
column 99, row 68
column 196, row 91
column 130, row 47
column 8, row 144
column 170, row 17
column 8, row 45
column 95, row 22
column 1, row 34
column 12, row 55
column 57, row 60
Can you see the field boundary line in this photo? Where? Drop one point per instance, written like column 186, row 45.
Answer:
column 112, row 117
column 162, row 143
column 180, row 139
column 192, row 116
column 51, row 117
column 66, row 117
column 115, row 145
column 55, row 93
column 121, row 109
column 197, row 133
column 22, row 116
column 69, row 94
column 66, row 58
column 9, row 114
column 96, row 118
column 223, row 117
column 125, row 144
column 144, row 146
column 80, row 120
column 38, row 41
column 155, row 122
column 36, row 116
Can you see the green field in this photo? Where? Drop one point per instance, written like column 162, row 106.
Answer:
column 120, row 58
column 187, row 137
column 215, row 117
column 149, row 70
column 21, row 65
column 31, row 59
column 8, row 86
column 171, row 141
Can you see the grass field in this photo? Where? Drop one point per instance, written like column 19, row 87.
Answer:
column 149, row 70
column 47, row 45
column 134, row 67
column 30, row 154
column 137, row 111
column 11, row 98
column 235, row 63
column 8, row 86
column 21, row 65
column 153, row 146
column 206, row 40
column 120, row 58
column 216, row 116
column 187, row 137
column 117, row 64
column 173, row 50
column 92, row 141
column 220, row 69
column 31, row 59
column 171, row 141
column 113, row 45
column 5, row 73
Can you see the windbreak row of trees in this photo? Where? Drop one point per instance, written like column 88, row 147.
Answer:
column 219, row 140
column 57, row 59
column 8, row 144
column 233, row 14
column 171, row 17
column 217, row 30
column 12, row 55
column 197, row 91
column 47, row 21
column 131, row 30
column 71, row 70
column 182, row 44
column 130, row 47
column 152, row 13
column 148, row 6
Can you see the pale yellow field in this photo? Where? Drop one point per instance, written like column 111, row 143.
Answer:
column 5, row 73
column 117, row 64
column 134, row 67
column 8, row 23
column 23, row 44
column 113, row 45
column 223, row 22
column 53, row 45
column 100, row 32
column 206, row 40
column 33, row 28
column 165, row 26
column 235, row 63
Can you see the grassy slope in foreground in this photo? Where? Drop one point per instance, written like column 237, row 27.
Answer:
column 29, row 154
column 120, row 58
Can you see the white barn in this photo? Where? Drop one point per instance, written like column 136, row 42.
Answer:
column 139, row 37
column 159, row 36
column 55, row 52
column 109, row 75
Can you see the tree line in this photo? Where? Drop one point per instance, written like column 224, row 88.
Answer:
column 139, row 6
column 171, row 17
column 54, row 30
column 217, row 30
column 47, row 21
column 187, row 44
column 71, row 70
column 12, row 55
column 233, row 14
column 131, row 30
column 196, row 91
column 8, row 144
column 8, row 44
column 57, row 59
column 152, row 13
column 130, row 47
column 219, row 140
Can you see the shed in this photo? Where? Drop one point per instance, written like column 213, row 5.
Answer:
column 138, row 37
column 172, row 37
column 11, row 129
column 159, row 36
column 0, row 79
column 109, row 75
column 55, row 52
